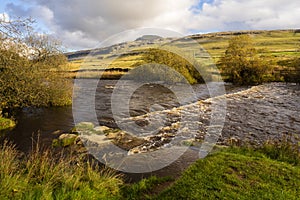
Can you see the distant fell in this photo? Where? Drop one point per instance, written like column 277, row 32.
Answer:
column 149, row 37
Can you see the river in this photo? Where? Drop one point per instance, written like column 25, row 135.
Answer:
column 253, row 114
column 46, row 121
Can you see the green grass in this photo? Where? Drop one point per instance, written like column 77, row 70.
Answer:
column 269, row 172
column 41, row 175
column 145, row 188
column 238, row 173
column 282, row 42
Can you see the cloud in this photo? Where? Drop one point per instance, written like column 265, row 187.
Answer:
column 255, row 14
column 83, row 24
column 4, row 17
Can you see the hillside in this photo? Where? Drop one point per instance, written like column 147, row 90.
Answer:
column 278, row 46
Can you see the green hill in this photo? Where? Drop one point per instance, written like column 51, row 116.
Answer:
column 280, row 47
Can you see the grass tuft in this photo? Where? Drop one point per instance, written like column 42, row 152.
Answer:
column 43, row 175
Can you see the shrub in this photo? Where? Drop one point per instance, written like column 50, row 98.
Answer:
column 30, row 69
column 166, row 66
column 6, row 124
column 241, row 63
column 296, row 65
column 24, row 82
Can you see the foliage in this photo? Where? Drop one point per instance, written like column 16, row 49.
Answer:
column 292, row 72
column 284, row 149
column 42, row 176
column 162, row 65
column 241, row 62
column 25, row 82
column 30, row 70
column 297, row 68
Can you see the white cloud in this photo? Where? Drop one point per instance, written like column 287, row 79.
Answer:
column 82, row 24
column 4, row 17
column 255, row 14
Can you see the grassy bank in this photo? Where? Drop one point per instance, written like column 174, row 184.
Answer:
column 270, row 172
column 41, row 175
column 237, row 174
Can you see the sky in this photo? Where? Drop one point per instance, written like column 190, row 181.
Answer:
column 82, row 24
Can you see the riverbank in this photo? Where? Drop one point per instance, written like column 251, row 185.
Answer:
column 45, row 175
column 271, row 172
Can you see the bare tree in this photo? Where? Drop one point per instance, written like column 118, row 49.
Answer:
column 15, row 29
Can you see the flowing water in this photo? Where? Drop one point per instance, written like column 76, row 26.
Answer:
column 32, row 122
column 253, row 114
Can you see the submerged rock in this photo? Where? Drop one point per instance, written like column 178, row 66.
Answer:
column 65, row 140
column 102, row 129
column 100, row 135
column 84, row 126
column 125, row 140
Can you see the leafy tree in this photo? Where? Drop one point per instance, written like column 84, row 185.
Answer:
column 168, row 67
column 241, row 63
column 30, row 66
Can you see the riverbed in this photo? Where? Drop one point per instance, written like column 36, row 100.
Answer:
column 48, row 123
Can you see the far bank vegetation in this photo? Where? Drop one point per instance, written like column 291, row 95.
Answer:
column 162, row 65
column 241, row 63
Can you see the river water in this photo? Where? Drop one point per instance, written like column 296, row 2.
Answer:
column 32, row 122
column 254, row 114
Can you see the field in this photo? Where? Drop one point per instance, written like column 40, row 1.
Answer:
column 279, row 47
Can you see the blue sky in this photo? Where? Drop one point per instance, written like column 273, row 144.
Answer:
column 82, row 24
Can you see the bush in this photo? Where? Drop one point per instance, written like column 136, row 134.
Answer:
column 30, row 69
column 24, row 82
column 296, row 65
column 166, row 66
column 241, row 63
